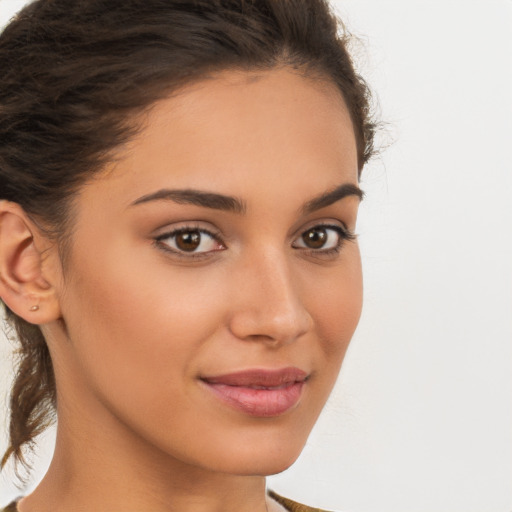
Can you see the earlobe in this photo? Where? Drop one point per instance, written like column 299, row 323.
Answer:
column 23, row 285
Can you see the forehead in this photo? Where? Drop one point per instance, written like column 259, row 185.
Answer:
column 244, row 131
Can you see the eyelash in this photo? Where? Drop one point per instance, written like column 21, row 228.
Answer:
column 187, row 229
column 344, row 233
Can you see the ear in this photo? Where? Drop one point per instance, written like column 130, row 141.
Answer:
column 27, row 283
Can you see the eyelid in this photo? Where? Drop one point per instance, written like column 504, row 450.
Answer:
column 187, row 225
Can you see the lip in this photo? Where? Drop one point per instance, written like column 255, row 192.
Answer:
column 259, row 392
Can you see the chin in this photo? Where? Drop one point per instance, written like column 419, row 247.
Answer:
column 262, row 460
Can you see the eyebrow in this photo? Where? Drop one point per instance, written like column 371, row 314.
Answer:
column 237, row 205
column 331, row 197
column 198, row 198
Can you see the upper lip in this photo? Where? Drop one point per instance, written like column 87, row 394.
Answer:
column 259, row 377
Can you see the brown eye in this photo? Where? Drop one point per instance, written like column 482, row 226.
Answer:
column 192, row 241
column 315, row 238
column 188, row 240
column 323, row 238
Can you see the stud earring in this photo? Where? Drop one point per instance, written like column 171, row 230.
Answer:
column 34, row 308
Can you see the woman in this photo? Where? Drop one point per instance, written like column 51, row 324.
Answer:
column 179, row 190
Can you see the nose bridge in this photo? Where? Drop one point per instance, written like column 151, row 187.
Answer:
column 268, row 304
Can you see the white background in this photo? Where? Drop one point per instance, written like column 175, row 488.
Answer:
column 421, row 419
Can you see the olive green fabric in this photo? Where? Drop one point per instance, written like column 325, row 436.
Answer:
column 291, row 506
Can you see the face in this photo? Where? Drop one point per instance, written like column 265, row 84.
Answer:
column 214, row 282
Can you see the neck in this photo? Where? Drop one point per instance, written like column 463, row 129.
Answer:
column 98, row 467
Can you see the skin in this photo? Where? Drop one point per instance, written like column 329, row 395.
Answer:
column 132, row 326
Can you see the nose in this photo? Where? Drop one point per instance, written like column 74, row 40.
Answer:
column 266, row 303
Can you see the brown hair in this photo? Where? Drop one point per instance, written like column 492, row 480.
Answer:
column 75, row 73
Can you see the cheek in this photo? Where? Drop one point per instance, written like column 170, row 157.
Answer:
column 136, row 326
column 335, row 302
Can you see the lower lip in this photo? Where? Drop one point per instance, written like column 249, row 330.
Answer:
column 259, row 402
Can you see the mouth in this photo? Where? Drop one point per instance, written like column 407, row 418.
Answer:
column 259, row 392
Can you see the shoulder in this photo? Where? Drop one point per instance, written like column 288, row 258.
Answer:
column 293, row 506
